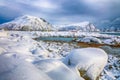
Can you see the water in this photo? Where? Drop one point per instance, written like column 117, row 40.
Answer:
column 110, row 33
column 61, row 39
column 69, row 39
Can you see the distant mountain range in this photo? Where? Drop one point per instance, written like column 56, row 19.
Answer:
column 31, row 23
column 109, row 25
column 82, row 26
column 27, row 23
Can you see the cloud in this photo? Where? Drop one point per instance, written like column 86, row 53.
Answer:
column 61, row 11
column 45, row 4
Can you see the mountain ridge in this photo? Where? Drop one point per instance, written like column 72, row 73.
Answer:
column 81, row 26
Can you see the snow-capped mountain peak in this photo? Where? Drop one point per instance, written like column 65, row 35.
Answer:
column 27, row 22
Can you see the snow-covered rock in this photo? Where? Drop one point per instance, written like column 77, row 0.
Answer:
column 27, row 23
column 83, row 26
column 113, row 40
column 91, row 40
column 88, row 61
column 56, row 70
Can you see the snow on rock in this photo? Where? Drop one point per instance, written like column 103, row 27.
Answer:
column 56, row 70
column 27, row 23
column 58, row 49
column 14, row 68
column 91, row 40
column 88, row 61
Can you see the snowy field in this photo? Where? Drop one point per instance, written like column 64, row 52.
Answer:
column 23, row 58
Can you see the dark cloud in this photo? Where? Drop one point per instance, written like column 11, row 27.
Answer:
column 77, row 8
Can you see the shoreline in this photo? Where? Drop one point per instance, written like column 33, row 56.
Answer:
column 83, row 44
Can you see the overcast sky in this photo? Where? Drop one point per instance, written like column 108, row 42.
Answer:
column 60, row 11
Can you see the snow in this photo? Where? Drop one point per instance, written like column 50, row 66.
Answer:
column 80, row 36
column 3, row 34
column 112, row 69
column 57, row 70
column 41, row 53
column 23, row 57
column 114, row 40
column 90, row 60
column 2, row 50
column 91, row 40
column 57, row 49
column 63, row 34
column 50, row 59
column 14, row 68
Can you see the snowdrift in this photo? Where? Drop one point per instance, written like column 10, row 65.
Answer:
column 13, row 68
column 56, row 70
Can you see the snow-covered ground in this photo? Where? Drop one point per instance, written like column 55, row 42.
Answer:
column 89, row 37
column 28, row 59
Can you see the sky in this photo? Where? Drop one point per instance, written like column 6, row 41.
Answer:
column 60, row 11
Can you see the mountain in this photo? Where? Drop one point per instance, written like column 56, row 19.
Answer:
column 116, row 24
column 27, row 23
column 109, row 25
column 82, row 26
